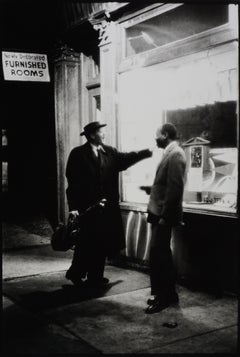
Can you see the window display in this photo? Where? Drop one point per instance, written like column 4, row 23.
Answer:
column 211, row 179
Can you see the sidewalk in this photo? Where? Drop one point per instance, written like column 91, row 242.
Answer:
column 44, row 313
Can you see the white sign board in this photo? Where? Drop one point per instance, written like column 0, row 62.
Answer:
column 25, row 67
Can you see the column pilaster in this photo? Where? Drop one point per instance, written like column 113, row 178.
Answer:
column 67, row 95
column 107, row 45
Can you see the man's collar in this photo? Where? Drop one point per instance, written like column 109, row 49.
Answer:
column 96, row 148
column 169, row 146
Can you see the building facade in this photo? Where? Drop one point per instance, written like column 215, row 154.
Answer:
column 135, row 67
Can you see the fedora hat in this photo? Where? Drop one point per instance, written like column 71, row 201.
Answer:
column 91, row 127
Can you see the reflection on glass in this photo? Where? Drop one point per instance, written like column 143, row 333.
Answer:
column 97, row 107
column 176, row 24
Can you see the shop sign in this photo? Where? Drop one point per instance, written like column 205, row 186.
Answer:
column 25, row 67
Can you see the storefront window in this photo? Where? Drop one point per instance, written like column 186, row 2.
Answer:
column 200, row 97
column 176, row 24
column 195, row 87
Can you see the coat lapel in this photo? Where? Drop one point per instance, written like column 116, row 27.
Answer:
column 91, row 157
column 104, row 155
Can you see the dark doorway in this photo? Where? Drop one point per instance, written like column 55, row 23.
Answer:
column 31, row 152
column 27, row 112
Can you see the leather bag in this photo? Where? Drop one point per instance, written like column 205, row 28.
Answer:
column 66, row 236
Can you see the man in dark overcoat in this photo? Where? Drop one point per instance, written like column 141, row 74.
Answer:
column 93, row 174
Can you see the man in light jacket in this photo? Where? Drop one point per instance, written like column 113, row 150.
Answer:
column 165, row 212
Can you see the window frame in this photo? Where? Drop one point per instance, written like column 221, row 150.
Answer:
column 194, row 43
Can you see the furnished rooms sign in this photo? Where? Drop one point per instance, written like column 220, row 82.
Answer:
column 25, row 67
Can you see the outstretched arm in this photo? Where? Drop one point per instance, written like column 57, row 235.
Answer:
column 127, row 159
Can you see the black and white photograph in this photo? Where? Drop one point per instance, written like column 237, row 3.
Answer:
column 120, row 177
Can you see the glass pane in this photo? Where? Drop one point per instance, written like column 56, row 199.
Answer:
column 210, row 133
column 173, row 25
column 140, row 113
column 97, row 107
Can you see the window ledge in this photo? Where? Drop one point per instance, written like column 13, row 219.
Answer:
column 210, row 212
column 131, row 206
column 142, row 207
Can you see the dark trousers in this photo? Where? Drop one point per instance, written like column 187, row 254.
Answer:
column 89, row 257
column 162, row 271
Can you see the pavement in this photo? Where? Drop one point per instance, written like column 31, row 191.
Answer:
column 43, row 313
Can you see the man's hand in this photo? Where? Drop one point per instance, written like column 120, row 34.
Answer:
column 73, row 214
column 103, row 202
column 147, row 189
column 146, row 153
column 150, row 152
column 162, row 221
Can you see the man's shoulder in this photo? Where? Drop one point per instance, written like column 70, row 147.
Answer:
column 176, row 148
column 178, row 152
column 79, row 148
column 109, row 148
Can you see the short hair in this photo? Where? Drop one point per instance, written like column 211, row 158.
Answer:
column 170, row 129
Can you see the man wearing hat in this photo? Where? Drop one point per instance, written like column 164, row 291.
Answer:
column 93, row 174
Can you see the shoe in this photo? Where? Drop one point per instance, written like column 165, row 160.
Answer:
column 157, row 307
column 173, row 298
column 104, row 281
column 151, row 301
column 97, row 283
column 68, row 275
column 158, row 304
column 78, row 282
